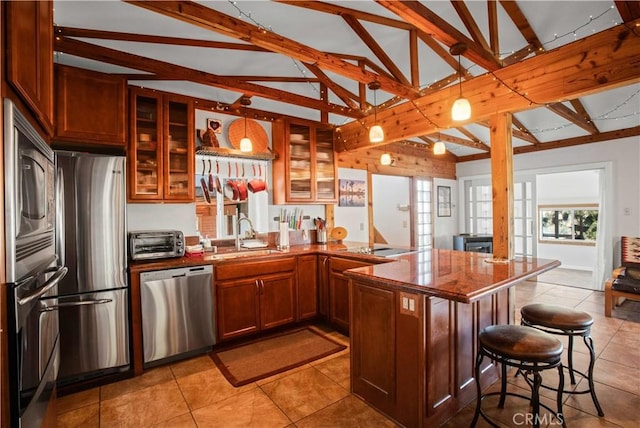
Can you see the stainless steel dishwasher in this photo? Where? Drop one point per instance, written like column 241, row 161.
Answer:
column 177, row 313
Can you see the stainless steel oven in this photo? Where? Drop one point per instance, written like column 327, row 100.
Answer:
column 32, row 268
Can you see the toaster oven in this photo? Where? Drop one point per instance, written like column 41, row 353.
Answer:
column 156, row 244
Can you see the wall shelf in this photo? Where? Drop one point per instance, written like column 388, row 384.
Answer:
column 233, row 153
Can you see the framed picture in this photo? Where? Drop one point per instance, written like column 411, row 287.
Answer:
column 444, row 201
column 215, row 125
column 351, row 193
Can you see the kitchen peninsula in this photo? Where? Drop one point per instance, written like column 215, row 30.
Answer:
column 414, row 326
column 413, row 319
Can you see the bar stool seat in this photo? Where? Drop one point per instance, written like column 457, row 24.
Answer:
column 561, row 320
column 524, row 348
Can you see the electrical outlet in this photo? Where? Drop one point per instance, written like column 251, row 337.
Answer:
column 361, row 226
column 404, row 224
column 626, row 211
column 405, row 303
column 412, row 305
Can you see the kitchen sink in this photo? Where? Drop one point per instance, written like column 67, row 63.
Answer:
column 240, row 254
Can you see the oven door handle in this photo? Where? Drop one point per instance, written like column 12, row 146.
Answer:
column 51, row 282
column 71, row 304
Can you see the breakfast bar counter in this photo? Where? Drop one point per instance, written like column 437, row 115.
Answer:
column 414, row 326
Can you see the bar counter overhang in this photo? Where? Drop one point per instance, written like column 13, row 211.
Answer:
column 414, row 326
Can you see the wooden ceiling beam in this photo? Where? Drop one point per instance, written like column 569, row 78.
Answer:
column 414, row 58
column 144, row 38
column 494, row 39
column 425, row 20
column 522, row 132
column 375, row 48
column 204, row 17
column 521, row 22
column 339, row 10
column 470, row 24
column 568, row 142
column 340, row 92
column 112, row 56
column 472, row 143
column 471, row 136
column 628, row 10
column 566, row 113
column 605, row 60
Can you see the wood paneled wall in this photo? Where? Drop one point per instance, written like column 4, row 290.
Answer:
column 410, row 161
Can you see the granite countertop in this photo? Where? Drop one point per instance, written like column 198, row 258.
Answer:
column 454, row 275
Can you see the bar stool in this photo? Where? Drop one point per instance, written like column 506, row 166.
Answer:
column 524, row 348
column 560, row 320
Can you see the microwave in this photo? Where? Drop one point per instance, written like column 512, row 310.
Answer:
column 30, row 196
column 156, row 244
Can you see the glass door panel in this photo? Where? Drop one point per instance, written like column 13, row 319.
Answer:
column 148, row 147
column 177, row 150
column 300, row 161
column 325, row 168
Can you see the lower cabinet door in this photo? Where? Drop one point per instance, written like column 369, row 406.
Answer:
column 277, row 300
column 238, row 308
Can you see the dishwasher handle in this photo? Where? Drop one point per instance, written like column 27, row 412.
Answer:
column 159, row 275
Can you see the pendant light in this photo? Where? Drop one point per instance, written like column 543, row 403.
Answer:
column 245, row 142
column 461, row 109
column 376, row 133
column 385, row 159
column 439, row 148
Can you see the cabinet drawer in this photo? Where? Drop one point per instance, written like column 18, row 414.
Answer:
column 340, row 265
column 253, row 269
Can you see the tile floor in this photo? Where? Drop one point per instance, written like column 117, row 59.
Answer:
column 194, row 393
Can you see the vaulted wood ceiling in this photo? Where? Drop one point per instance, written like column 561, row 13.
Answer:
column 332, row 50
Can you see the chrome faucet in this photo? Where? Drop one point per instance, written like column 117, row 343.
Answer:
column 250, row 233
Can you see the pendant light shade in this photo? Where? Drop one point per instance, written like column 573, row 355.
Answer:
column 245, row 143
column 385, row 159
column 376, row 133
column 461, row 109
column 439, row 148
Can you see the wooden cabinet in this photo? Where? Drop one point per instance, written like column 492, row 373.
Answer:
column 90, row 107
column 254, row 296
column 161, row 147
column 29, row 47
column 339, row 301
column 413, row 356
column 307, row 287
column 305, row 170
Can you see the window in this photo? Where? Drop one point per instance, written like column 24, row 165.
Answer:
column 479, row 211
column 423, row 213
column 568, row 223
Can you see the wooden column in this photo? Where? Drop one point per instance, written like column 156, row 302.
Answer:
column 502, row 185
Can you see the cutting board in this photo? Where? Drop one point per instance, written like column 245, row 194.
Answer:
column 255, row 132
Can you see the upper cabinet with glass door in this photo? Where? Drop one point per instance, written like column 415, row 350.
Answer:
column 161, row 153
column 305, row 169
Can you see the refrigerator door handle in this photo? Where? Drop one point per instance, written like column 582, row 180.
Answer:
column 71, row 304
column 60, row 218
column 51, row 282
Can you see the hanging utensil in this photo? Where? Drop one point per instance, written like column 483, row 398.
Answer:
column 211, row 184
column 242, row 169
column 229, row 169
column 237, row 170
column 205, row 190
column 217, row 167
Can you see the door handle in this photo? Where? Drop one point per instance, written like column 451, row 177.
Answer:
column 51, row 282
column 72, row 304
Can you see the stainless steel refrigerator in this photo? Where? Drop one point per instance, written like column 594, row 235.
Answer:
column 93, row 299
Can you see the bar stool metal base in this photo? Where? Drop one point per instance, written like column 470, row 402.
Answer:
column 581, row 329
column 533, row 367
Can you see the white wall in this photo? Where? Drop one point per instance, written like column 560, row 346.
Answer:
column 445, row 227
column 389, row 194
column 624, row 154
column 162, row 217
column 354, row 219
